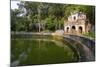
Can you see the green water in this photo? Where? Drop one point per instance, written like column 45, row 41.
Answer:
column 41, row 50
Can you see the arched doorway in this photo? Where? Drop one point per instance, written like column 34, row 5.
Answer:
column 74, row 18
column 80, row 29
column 67, row 29
column 73, row 29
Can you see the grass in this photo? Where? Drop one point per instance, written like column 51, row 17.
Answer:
column 47, row 31
column 90, row 34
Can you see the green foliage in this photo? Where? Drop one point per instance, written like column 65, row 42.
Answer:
column 48, row 16
column 90, row 34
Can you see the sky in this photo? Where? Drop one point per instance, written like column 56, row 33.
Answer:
column 14, row 4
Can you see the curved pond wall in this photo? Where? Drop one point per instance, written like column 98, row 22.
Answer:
column 86, row 49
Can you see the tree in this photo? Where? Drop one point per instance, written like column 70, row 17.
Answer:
column 39, row 16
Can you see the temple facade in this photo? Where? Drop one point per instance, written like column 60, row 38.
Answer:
column 77, row 23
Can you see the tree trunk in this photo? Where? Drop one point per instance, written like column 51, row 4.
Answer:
column 59, row 26
column 39, row 16
column 39, row 12
column 39, row 27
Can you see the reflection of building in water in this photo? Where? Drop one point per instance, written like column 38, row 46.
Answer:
column 77, row 23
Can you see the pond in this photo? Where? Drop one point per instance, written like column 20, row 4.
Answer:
column 37, row 49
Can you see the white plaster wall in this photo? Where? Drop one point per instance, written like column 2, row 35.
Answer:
column 83, row 28
column 76, row 28
column 65, row 28
column 75, row 15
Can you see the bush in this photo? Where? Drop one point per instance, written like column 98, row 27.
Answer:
column 90, row 34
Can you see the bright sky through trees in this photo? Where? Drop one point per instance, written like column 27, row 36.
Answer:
column 14, row 4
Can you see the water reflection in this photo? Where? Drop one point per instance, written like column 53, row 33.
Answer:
column 43, row 50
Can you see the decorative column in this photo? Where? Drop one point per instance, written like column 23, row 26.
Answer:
column 83, row 29
column 77, row 31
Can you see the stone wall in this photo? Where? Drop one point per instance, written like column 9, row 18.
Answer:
column 86, row 46
column 68, row 29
